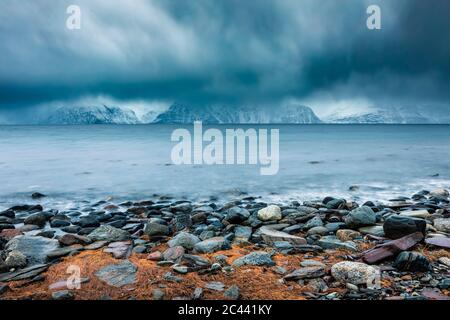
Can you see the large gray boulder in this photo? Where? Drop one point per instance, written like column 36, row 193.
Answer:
column 35, row 249
column 361, row 217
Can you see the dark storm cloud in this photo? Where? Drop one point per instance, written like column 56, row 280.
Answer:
column 207, row 51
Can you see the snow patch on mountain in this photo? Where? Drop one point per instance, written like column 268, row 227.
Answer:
column 181, row 113
column 91, row 115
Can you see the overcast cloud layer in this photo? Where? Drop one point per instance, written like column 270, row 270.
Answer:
column 225, row 51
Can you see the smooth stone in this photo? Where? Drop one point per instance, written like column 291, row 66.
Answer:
column 237, row 215
column 398, row 226
column 270, row 236
column 361, row 217
column 377, row 231
column 354, row 272
column 109, row 233
column 155, row 229
column 258, row 258
column 314, row 222
column 440, row 193
column 443, row 242
column 180, row 269
column 71, row 239
column 118, row 275
column 59, row 223
column 312, row 263
column 305, row 273
column 62, row 252
column 416, row 214
column 34, row 248
column 331, row 242
column 155, row 256
column 442, row 225
column 322, row 231
column 412, row 261
column 87, row 222
column 270, row 213
column 444, row 261
column 37, row 219
column 185, row 240
column 211, row 245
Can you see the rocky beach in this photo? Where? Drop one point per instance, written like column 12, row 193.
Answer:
column 165, row 248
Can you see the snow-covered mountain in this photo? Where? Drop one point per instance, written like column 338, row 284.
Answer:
column 180, row 113
column 91, row 115
column 392, row 115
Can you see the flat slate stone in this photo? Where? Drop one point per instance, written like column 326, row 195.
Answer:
column 23, row 274
column 118, row 275
column 34, row 248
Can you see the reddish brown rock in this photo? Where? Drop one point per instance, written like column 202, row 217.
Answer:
column 391, row 248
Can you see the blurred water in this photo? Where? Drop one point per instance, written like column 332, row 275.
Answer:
column 70, row 163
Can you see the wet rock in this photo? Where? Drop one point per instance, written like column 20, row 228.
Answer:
column 335, row 203
column 71, row 239
column 8, row 214
column 354, row 272
column 270, row 236
column 118, row 275
column 155, row 229
column 63, row 295
column 185, row 240
column 34, row 248
column 270, row 213
column 71, row 229
column 211, row 245
column 442, row 225
column 305, row 273
column 258, row 258
column 37, row 219
column 331, row 242
column 87, row 222
column 391, row 248
column 412, row 261
column 347, row 234
column 46, row 234
column 108, row 233
column 237, row 215
column 37, row 195
column 8, row 234
column 440, row 193
column 361, row 217
column 396, row 227
column 232, row 293
column 6, row 226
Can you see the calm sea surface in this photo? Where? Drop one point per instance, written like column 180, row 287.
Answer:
column 72, row 163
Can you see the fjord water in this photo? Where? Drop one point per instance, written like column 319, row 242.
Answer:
column 76, row 163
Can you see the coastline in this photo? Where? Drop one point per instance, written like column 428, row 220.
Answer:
column 169, row 248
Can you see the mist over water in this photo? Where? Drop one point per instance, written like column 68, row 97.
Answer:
column 76, row 163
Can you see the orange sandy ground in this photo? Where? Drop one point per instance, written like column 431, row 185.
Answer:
column 254, row 282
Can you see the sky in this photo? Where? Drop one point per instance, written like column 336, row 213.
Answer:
column 150, row 53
